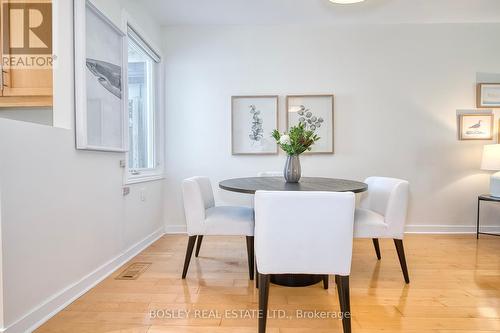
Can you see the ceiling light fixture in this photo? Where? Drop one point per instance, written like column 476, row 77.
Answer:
column 346, row 2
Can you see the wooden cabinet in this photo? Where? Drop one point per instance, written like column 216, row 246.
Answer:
column 26, row 79
column 26, row 87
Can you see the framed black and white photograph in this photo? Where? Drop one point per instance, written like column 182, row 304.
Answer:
column 100, row 72
column 316, row 113
column 488, row 95
column 253, row 119
column 476, row 126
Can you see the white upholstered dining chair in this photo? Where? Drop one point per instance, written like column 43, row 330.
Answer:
column 382, row 214
column 203, row 218
column 304, row 233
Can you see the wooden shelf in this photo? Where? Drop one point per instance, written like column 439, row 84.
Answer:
column 25, row 102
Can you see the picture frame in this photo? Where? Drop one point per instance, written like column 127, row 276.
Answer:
column 101, row 105
column 478, row 126
column 253, row 119
column 488, row 95
column 318, row 113
column 498, row 130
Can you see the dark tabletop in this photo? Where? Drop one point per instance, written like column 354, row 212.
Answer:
column 487, row 197
column 253, row 184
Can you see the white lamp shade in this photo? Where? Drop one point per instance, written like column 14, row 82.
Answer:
column 491, row 157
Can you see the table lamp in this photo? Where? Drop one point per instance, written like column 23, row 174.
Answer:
column 491, row 161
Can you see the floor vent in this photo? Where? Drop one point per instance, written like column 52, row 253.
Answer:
column 133, row 271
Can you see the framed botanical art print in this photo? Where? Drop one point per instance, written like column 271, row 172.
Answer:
column 488, row 95
column 476, row 126
column 316, row 113
column 253, row 118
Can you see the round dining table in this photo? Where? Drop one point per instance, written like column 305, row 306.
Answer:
column 253, row 184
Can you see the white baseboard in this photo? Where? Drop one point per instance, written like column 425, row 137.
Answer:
column 56, row 303
column 175, row 229
column 448, row 229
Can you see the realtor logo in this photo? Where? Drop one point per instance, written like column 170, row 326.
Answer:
column 27, row 28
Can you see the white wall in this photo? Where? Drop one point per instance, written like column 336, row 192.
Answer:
column 41, row 116
column 397, row 89
column 64, row 220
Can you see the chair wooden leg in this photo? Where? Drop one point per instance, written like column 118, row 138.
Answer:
column 339, row 292
column 189, row 253
column 263, row 301
column 344, row 300
column 402, row 259
column 250, row 253
column 377, row 248
column 325, row 281
column 198, row 246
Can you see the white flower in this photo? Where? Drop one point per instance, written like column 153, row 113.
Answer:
column 285, row 140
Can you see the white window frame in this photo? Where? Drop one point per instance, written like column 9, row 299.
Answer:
column 145, row 175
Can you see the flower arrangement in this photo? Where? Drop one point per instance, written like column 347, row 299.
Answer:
column 297, row 140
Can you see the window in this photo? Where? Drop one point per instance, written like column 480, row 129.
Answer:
column 144, row 156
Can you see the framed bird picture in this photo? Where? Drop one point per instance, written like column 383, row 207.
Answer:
column 476, row 126
column 488, row 95
column 101, row 101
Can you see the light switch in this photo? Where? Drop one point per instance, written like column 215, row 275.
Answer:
column 126, row 191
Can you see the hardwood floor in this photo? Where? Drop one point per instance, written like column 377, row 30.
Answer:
column 455, row 287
